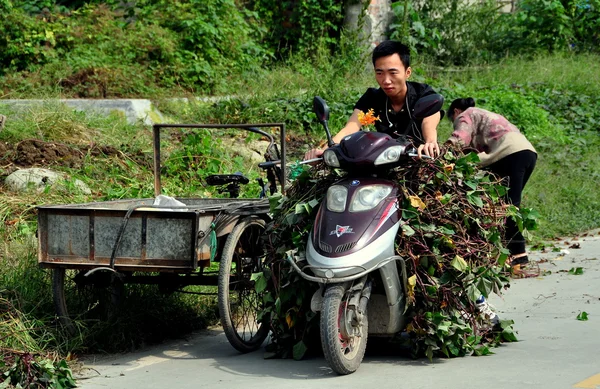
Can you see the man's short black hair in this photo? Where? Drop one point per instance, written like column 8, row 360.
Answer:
column 387, row 48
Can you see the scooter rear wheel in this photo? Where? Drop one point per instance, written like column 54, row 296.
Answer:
column 343, row 338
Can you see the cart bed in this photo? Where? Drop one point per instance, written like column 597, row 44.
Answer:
column 154, row 239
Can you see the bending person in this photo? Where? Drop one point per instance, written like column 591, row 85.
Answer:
column 504, row 151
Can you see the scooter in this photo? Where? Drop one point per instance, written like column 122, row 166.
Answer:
column 350, row 251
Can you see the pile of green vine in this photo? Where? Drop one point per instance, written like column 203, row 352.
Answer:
column 453, row 215
column 23, row 362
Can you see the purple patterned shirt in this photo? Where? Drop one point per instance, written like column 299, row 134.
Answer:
column 492, row 135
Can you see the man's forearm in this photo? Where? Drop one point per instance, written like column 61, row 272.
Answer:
column 429, row 128
column 352, row 126
column 349, row 129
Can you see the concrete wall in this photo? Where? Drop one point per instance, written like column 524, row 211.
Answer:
column 378, row 15
column 134, row 110
column 373, row 18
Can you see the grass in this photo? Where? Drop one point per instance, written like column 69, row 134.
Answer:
column 52, row 121
column 564, row 187
column 145, row 317
column 578, row 73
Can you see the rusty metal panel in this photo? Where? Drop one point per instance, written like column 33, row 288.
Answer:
column 68, row 235
column 106, row 231
column 170, row 238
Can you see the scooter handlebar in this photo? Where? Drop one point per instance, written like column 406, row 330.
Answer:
column 412, row 152
column 422, row 155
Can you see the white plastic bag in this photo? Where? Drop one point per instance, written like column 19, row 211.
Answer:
column 167, row 201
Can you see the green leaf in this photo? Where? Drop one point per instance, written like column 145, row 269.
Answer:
column 583, row 316
column 485, row 286
column 474, row 199
column 407, row 230
column 446, row 230
column 446, row 278
column 427, row 227
column 446, row 198
column 260, row 282
column 444, row 327
column 431, row 270
column 278, row 306
column 577, row 271
column 431, row 290
column 291, row 219
column 299, row 350
column 504, row 254
column 509, row 335
column 453, row 349
column 298, row 239
column 302, row 208
column 473, row 292
column 471, row 184
column 482, row 350
column 409, row 213
column 7, row 381
column 459, row 264
column 464, row 161
column 429, row 353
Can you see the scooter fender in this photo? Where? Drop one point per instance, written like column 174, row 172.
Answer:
column 386, row 312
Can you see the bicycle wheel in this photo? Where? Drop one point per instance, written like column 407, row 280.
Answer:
column 83, row 299
column 239, row 303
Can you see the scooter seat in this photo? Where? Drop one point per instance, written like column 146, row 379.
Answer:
column 224, row 179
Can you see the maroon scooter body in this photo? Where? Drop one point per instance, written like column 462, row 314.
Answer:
column 338, row 234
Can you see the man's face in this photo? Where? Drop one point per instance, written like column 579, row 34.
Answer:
column 391, row 75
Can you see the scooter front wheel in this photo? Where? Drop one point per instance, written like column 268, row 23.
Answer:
column 343, row 331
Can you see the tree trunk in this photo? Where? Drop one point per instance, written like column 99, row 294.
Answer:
column 404, row 35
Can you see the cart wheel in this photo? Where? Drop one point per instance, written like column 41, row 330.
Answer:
column 83, row 299
column 239, row 304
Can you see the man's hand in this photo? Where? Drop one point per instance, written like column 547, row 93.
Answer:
column 430, row 149
column 312, row 154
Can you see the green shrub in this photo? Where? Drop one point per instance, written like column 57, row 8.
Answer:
column 216, row 37
column 458, row 32
column 98, row 51
column 300, row 25
column 550, row 25
column 452, row 32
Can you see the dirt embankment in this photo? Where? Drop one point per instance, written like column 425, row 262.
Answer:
column 37, row 153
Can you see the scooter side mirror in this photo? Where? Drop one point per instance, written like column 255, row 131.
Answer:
column 428, row 105
column 321, row 109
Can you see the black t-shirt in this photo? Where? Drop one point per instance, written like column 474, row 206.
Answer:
column 391, row 122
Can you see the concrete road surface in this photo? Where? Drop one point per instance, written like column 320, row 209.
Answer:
column 555, row 349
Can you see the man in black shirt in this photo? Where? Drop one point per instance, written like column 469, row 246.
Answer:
column 393, row 102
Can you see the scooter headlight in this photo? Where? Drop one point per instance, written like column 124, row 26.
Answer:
column 336, row 198
column 389, row 155
column 330, row 158
column 368, row 197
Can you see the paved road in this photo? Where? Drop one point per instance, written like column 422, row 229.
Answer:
column 555, row 350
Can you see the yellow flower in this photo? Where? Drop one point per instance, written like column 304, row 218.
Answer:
column 367, row 119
